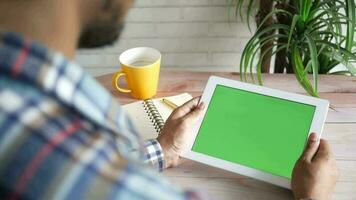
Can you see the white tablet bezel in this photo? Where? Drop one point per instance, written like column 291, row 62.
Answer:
column 321, row 109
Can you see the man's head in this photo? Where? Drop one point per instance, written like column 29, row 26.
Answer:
column 104, row 21
column 65, row 25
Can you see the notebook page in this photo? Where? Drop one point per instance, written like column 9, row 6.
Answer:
column 140, row 120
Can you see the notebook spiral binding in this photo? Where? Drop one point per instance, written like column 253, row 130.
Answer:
column 153, row 115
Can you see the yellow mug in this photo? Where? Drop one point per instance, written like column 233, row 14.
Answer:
column 141, row 67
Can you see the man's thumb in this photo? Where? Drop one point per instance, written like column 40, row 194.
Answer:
column 311, row 147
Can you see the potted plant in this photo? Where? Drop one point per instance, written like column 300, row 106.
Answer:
column 306, row 36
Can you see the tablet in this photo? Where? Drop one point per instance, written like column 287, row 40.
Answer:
column 253, row 130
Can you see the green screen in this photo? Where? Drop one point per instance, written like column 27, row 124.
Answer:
column 254, row 130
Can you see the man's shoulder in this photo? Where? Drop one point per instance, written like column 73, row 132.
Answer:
column 25, row 104
column 15, row 93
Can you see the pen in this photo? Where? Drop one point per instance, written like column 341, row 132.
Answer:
column 169, row 103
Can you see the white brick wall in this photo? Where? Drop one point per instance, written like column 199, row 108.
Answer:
column 191, row 34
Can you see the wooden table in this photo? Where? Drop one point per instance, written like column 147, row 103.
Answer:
column 340, row 130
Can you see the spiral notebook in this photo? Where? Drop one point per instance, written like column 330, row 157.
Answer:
column 149, row 116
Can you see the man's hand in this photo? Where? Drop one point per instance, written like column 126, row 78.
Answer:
column 315, row 173
column 176, row 133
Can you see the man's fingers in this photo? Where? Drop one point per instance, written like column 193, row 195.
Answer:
column 194, row 114
column 186, row 108
column 311, row 148
column 324, row 151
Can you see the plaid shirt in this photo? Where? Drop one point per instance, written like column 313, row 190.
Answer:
column 63, row 136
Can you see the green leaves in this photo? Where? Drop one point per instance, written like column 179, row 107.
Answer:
column 305, row 6
column 292, row 29
column 312, row 38
column 350, row 8
column 314, row 61
column 299, row 72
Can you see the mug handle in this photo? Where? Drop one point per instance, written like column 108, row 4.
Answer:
column 115, row 80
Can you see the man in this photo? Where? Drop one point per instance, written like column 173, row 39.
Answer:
column 62, row 135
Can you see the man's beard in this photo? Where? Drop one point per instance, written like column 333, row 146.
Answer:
column 102, row 30
column 99, row 35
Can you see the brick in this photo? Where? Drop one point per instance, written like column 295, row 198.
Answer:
column 227, row 2
column 226, row 59
column 154, row 15
column 196, row 2
column 134, row 30
column 184, row 59
column 182, row 29
column 207, row 14
column 156, row 3
column 182, row 3
column 162, row 44
column 97, row 60
column 212, row 44
column 98, row 71
column 232, row 29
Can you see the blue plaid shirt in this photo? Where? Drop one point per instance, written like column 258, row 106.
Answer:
column 63, row 136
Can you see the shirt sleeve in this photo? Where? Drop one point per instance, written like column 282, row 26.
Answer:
column 154, row 154
column 63, row 156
